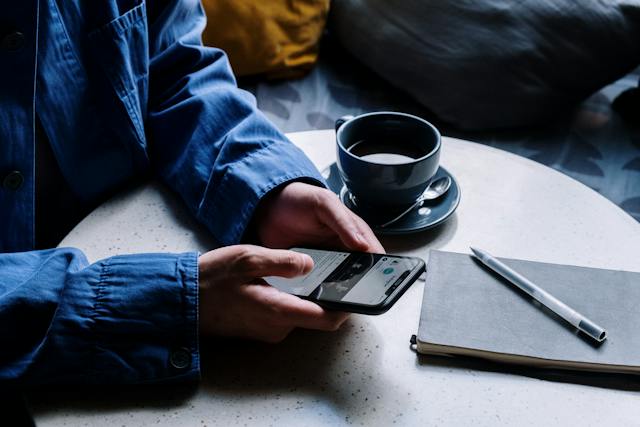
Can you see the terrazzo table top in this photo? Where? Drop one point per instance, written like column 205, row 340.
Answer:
column 366, row 373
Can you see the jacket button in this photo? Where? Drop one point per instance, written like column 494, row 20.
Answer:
column 12, row 41
column 13, row 181
column 180, row 358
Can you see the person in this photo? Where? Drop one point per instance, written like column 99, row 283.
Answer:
column 95, row 95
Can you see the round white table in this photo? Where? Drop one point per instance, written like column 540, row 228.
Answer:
column 366, row 373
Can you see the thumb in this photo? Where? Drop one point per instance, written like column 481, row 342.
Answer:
column 254, row 262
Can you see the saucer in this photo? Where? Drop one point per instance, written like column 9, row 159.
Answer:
column 431, row 214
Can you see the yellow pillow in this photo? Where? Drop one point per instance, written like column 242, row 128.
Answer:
column 278, row 38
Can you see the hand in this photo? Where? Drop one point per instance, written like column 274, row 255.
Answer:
column 235, row 302
column 303, row 214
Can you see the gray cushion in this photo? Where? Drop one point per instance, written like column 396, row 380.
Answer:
column 493, row 63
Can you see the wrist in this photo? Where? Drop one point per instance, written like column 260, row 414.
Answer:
column 261, row 215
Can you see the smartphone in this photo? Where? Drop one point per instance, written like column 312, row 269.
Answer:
column 356, row 282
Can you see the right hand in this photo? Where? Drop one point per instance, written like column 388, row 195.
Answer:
column 234, row 301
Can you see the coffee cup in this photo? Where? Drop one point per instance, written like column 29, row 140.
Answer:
column 386, row 159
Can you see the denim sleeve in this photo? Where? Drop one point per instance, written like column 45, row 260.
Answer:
column 209, row 141
column 125, row 319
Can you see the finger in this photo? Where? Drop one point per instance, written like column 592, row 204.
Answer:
column 340, row 220
column 298, row 312
column 353, row 231
column 271, row 335
column 373, row 244
column 333, row 242
column 255, row 262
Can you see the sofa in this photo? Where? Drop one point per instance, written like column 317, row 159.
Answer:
column 592, row 141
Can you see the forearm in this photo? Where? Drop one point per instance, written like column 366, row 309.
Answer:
column 209, row 141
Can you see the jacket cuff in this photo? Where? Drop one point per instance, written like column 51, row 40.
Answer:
column 228, row 208
column 139, row 320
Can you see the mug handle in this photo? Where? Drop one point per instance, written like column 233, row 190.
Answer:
column 342, row 121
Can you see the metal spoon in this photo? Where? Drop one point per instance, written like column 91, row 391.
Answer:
column 434, row 190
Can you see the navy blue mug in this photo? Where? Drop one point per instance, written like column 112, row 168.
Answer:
column 386, row 159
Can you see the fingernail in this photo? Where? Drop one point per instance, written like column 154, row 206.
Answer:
column 308, row 263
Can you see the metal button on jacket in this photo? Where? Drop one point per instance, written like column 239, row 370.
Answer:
column 180, row 358
column 13, row 181
column 12, row 41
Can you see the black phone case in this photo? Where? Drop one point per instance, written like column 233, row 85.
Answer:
column 374, row 309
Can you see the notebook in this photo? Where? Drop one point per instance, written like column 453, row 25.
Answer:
column 468, row 310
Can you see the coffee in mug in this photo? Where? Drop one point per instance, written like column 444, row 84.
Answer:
column 384, row 152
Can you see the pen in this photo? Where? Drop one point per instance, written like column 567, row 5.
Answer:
column 543, row 297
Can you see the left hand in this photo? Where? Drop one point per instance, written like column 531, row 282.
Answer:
column 303, row 214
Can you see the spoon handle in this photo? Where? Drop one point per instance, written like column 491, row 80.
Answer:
column 412, row 207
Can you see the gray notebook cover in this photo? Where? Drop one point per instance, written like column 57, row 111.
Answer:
column 468, row 310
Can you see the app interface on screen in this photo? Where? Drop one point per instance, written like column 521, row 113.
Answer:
column 349, row 277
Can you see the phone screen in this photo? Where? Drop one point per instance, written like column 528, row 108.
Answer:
column 351, row 277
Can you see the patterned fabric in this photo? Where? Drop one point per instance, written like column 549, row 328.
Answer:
column 591, row 144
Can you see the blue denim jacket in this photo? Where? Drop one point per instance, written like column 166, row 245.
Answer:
column 122, row 88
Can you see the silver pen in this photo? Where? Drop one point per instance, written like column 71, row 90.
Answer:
column 543, row 297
